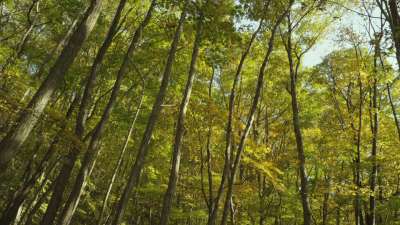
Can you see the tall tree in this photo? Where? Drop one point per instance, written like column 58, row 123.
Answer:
column 251, row 114
column 180, row 127
column 81, row 120
column 80, row 182
column 10, row 144
column 142, row 153
column 213, row 217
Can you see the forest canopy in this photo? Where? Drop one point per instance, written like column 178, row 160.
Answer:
column 199, row 112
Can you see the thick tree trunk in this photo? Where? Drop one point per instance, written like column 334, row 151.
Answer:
column 120, row 158
column 80, row 182
column 225, row 173
column 9, row 146
column 67, row 167
column 142, row 152
column 173, row 179
column 251, row 117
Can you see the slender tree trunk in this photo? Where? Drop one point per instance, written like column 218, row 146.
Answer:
column 358, row 212
column 251, row 117
column 225, row 173
column 210, row 179
column 67, row 167
column 31, row 24
column 395, row 24
column 10, row 144
column 299, row 140
column 142, row 152
column 76, row 192
column 173, row 179
column 209, row 171
column 39, row 190
column 40, row 202
column 21, row 184
column 136, row 218
column 374, row 155
column 393, row 110
column 120, row 158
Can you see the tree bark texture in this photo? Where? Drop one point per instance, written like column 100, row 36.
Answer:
column 142, row 152
column 173, row 178
column 80, row 182
column 10, row 144
column 82, row 115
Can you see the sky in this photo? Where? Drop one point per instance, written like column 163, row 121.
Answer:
column 327, row 45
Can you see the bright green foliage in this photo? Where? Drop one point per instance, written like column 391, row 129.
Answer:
column 268, row 181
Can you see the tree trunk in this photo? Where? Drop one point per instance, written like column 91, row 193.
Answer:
column 40, row 202
column 39, row 190
column 393, row 110
column 142, row 152
column 251, row 117
column 76, row 192
column 225, row 173
column 395, row 24
column 173, row 179
column 11, row 214
column 296, row 122
column 10, row 144
column 120, row 158
column 81, row 118
column 31, row 24
column 374, row 155
column 358, row 213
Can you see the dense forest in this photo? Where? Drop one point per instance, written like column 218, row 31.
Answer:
column 199, row 112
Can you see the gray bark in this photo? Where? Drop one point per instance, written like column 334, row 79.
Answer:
column 67, row 167
column 173, row 179
column 76, row 192
column 142, row 152
column 10, row 144
column 358, row 213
